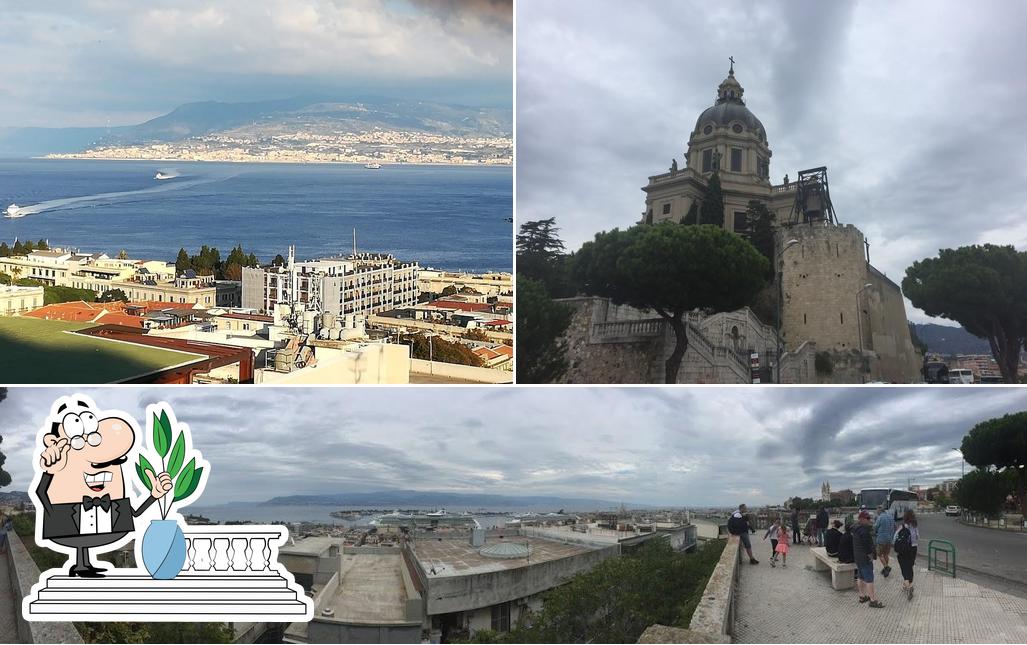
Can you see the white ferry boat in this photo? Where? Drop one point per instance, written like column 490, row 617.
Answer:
column 162, row 176
column 13, row 211
column 372, row 166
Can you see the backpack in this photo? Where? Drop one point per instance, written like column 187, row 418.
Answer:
column 734, row 525
column 903, row 541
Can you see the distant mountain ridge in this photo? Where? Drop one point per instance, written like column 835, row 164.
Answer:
column 411, row 498
column 264, row 118
column 941, row 339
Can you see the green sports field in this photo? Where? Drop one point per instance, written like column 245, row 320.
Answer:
column 43, row 351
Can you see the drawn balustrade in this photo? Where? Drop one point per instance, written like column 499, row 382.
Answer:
column 237, row 552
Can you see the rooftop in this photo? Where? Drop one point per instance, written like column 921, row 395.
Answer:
column 46, row 351
column 371, row 589
column 449, row 557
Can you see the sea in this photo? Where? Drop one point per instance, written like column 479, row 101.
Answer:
column 446, row 217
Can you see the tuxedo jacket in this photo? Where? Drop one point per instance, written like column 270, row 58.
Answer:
column 61, row 520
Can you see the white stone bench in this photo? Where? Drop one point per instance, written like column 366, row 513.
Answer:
column 842, row 576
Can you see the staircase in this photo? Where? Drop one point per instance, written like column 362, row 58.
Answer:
column 187, row 597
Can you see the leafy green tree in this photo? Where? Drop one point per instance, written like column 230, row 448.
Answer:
column 113, row 295
column 983, row 288
column 448, row 291
column 182, row 262
column 441, row 350
column 5, row 278
column 672, row 270
column 541, row 256
column 540, row 324
column 1001, row 443
column 761, row 231
column 42, row 245
column 122, row 254
column 617, row 599
column 55, row 294
column 983, row 491
column 28, row 247
column 692, row 216
column 279, row 261
column 712, row 209
column 5, row 250
column 19, row 248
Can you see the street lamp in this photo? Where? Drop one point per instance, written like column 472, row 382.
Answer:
column 779, row 260
column 859, row 328
column 962, row 462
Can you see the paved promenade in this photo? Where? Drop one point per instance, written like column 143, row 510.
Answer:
column 798, row 605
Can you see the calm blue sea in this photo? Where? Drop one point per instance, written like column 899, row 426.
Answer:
column 445, row 217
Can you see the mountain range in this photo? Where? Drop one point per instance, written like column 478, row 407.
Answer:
column 948, row 341
column 316, row 114
column 424, row 499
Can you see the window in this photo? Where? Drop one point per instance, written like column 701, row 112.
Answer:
column 841, row 317
column 501, row 617
column 707, row 160
column 762, row 168
column 737, row 128
column 741, row 221
column 708, row 129
column 666, row 209
column 736, row 160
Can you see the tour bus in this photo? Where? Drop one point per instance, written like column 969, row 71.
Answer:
column 961, row 376
column 893, row 500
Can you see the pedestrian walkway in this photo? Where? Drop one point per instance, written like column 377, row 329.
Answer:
column 798, row 605
column 8, row 617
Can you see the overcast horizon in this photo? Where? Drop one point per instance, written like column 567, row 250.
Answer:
column 916, row 113
column 118, row 62
column 695, row 447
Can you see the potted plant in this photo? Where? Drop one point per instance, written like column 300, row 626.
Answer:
column 163, row 544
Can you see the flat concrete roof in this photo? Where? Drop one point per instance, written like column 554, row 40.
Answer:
column 370, row 589
column 450, row 557
column 313, row 545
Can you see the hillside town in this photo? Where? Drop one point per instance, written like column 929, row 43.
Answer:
column 361, row 318
column 375, row 146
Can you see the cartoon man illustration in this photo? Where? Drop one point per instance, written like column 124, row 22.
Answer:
column 82, row 493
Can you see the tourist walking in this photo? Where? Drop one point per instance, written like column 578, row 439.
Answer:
column 884, row 533
column 906, row 539
column 796, row 533
column 782, row 547
column 811, row 530
column 773, row 533
column 864, row 555
column 823, row 518
column 833, row 539
column 738, row 524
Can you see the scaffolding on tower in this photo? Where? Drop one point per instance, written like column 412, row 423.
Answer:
column 812, row 199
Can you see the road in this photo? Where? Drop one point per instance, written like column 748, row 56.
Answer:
column 994, row 553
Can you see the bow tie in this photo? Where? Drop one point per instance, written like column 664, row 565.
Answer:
column 103, row 502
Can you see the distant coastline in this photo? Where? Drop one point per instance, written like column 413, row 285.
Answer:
column 385, row 163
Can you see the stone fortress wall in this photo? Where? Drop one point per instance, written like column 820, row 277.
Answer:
column 826, row 301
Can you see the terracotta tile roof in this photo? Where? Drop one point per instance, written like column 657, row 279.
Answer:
column 497, row 323
column 462, row 306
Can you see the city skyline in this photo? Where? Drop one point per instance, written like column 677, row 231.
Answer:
column 915, row 114
column 661, row 447
column 120, row 63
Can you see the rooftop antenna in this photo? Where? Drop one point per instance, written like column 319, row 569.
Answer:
column 354, row 242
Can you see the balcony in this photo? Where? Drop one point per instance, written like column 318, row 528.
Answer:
column 231, row 574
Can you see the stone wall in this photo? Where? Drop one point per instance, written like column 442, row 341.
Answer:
column 623, row 362
column 24, row 573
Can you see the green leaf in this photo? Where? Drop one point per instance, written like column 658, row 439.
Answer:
column 161, row 435
column 193, row 483
column 184, row 479
column 177, row 455
column 141, row 469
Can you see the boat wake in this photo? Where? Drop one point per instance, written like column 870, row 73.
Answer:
column 100, row 199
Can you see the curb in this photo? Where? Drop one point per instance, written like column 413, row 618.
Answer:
column 992, row 528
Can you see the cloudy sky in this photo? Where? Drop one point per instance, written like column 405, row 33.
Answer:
column 82, row 63
column 663, row 446
column 916, row 109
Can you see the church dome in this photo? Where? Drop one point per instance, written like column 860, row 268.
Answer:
column 730, row 109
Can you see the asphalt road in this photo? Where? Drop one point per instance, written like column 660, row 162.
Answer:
column 995, row 554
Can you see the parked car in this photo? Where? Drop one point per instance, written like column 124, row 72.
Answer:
column 952, row 511
column 961, row 377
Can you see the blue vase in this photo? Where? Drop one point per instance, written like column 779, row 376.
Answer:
column 164, row 549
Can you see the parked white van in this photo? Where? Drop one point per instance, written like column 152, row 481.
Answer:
column 961, row 376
